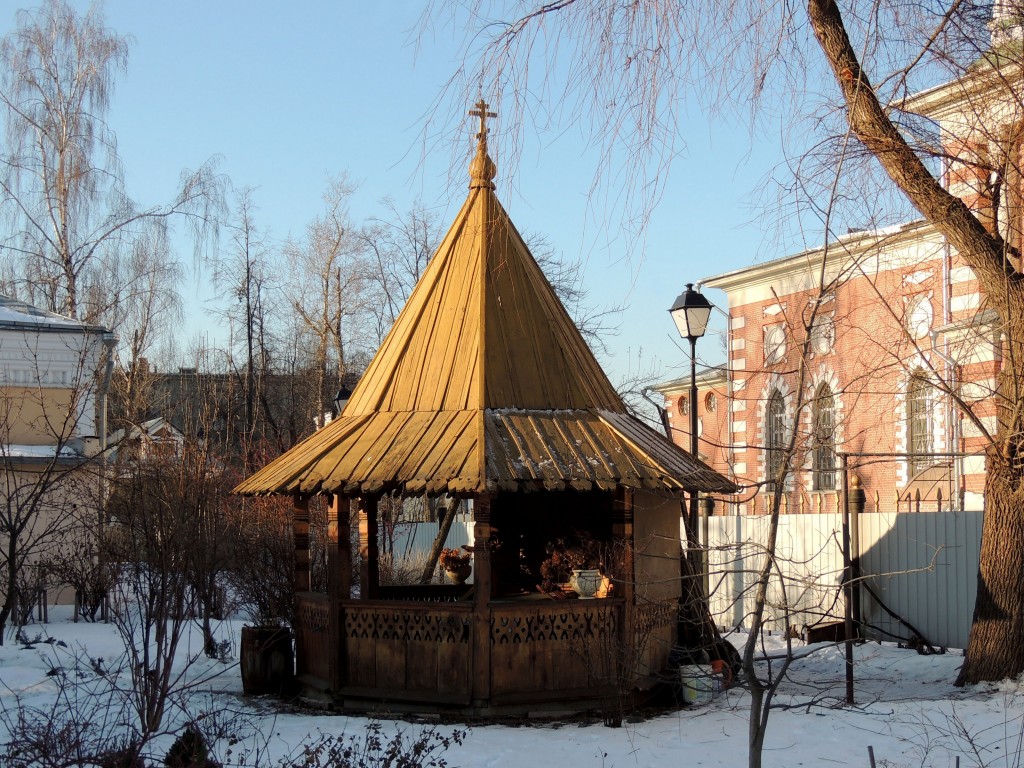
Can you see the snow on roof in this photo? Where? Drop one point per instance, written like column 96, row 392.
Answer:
column 15, row 451
column 20, row 313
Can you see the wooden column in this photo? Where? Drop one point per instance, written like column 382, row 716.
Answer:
column 622, row 537
column 339, row 582
column 300, row 531
column 369, row 554
column 482, row 587
column 341, row 568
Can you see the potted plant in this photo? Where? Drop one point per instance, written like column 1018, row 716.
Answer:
column 456, row 564
column 579, row 565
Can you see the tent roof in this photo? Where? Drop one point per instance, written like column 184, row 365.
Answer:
column 484, row 383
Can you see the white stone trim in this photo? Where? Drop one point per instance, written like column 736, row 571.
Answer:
column 978, row 390
column 916, row 278
column 823, row 375
column 965, row 302
column 918, row 365
column 970, row 429
column 974, row 465
column 774, row 382
column 962, row 274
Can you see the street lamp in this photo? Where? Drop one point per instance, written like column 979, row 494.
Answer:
column 691, row 312
column 341, row 400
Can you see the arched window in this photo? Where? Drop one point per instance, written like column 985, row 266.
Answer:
column 919, row 423
column 823, row 457
column 775, row 436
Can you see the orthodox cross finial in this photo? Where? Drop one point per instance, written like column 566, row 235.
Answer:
column 481, row 169
column 483, row 114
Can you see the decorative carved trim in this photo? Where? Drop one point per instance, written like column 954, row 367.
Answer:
column 652, row 615
column 313, row 617
column 405, row 626
column 561, row 624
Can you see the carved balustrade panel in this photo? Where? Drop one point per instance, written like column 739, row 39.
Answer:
column 543, row 650
column 653, row 636
column 313, row 643
column 408, row 651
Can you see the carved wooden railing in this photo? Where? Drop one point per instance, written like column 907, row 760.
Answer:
column 653, row 637
column 545, row 650
column 407, row 651
column 435, row 593
column 313, row 642
column 537, row 650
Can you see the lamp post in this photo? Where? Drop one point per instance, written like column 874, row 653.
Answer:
column 691, row 312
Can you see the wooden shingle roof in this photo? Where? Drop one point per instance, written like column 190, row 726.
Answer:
column 484, row 383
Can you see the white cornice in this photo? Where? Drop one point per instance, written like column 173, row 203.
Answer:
column 711, row 377
column 840, row 252
column 977, row 85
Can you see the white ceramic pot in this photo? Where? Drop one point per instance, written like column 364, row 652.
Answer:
column 586, row 581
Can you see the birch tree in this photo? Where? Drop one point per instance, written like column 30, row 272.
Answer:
column 327, row 291
column 70, row 224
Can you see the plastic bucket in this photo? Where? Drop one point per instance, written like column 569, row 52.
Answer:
column 698, row 682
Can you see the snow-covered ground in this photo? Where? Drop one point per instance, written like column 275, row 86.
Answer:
column 907, row 710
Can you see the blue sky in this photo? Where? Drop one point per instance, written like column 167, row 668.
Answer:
column 291, row 94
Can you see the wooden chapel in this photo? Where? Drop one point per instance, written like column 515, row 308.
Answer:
column 484, row 390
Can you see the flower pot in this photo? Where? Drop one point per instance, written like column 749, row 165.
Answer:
column 267, row 661
column 586, row 581
column 459, row 573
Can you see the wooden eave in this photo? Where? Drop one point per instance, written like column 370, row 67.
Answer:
column 526, row 450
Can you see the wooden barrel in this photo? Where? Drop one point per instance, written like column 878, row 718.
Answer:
column 267, row 661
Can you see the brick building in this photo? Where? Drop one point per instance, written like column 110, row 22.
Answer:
column 879, row 343
column 899, row 323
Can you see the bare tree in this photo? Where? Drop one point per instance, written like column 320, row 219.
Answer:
column 243, row 276
column 169, row 538
column 633, row 66
column 327, row 292
column 75, row 237
column 399, row 247
column 262, row 569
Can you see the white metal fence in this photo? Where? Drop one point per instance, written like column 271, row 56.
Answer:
column 412, row 541
column 922, row 566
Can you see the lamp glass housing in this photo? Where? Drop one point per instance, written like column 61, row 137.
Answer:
column 691, row 312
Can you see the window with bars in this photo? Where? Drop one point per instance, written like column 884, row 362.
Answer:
column 919, row 423
column 823, row 458
column 775, row 437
